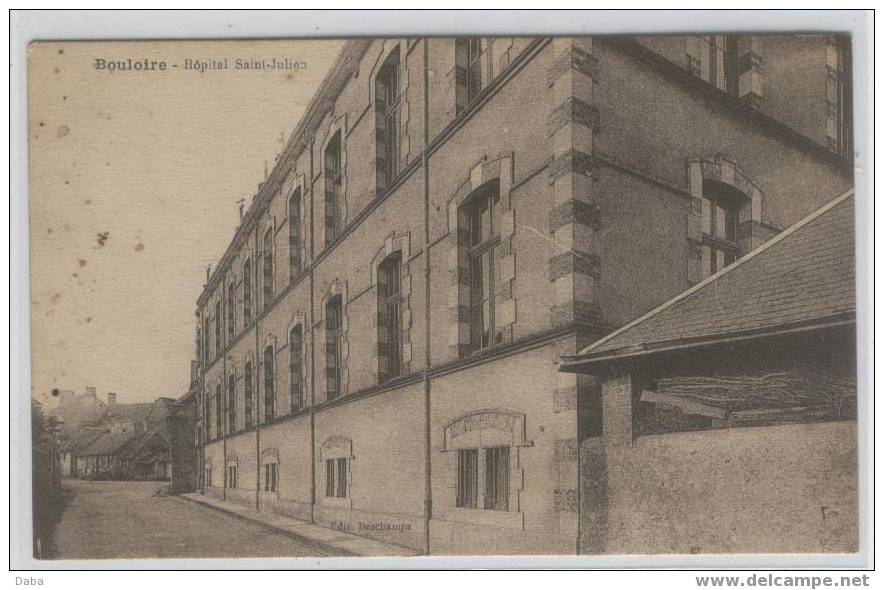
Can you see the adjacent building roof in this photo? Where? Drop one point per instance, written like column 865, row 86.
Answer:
column 109, row 443
column 804, row 277
column 140, row 442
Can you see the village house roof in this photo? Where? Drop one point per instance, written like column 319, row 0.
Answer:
column 77, row 412
column 83, row 439
column 152, row 414
column 109, row 443
column 804, row 278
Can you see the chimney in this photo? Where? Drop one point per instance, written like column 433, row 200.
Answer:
column 241, row 203
column 90, row 391
column 111, row 398
column 192, row 371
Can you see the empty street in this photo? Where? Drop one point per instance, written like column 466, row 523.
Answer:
column 125, row 519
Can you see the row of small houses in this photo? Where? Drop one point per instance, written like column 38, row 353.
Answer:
column 99, row 454
column 110, row 440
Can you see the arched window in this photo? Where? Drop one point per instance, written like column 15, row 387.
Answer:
column 389, row 318
column 333, row 346
column 721, row 205
column 218, row 343
column 482, row 249
column 295, row 369
column 295, row 235
column 247, row 292
column 231, row 404
column 267, row 253
column 231, row 311
column 333, row 189
column 247, row 394
column 387, row 120
column 269, row 384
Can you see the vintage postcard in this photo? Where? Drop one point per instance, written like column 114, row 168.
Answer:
column 445, row 296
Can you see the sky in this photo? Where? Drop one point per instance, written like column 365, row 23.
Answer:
column 134, row 179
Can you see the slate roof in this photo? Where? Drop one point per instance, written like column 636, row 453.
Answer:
column 109, row 443
column 83, row 439
column 804, row 276
column 139, row 442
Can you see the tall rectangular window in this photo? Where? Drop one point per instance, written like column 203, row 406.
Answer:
column 389, row 318
column 472, row 57
column 333, row 345
column 205, row 339
column 333, row 189
column 267, row 257
column 231, row 312
column 295, row 235
column 295, row 350
column 271, row 477
column 247, row 293
column 231, row 476
column 218, row 344
column 199, row 344
column 341, row 488
column 269, row 384
column 484, row 243
column 231, row 404
column 219, row 412
column 840, row 105
column 247, row 394
column 715, row 59
column 497, row 478
column 387, row 118
column 467, row 478
column 330, row 478
column 720, row 247
column 336, row 478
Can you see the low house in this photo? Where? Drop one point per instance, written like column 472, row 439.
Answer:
column 125, row 455
column 74, row 447
column 728, row 413
column 146, row 457
column 101, row 457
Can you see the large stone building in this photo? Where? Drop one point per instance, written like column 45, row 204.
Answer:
column 377, row 347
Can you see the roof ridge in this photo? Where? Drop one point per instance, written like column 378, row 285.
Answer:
column 714, row 277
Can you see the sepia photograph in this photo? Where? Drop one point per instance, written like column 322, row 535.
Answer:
column 451, row 296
